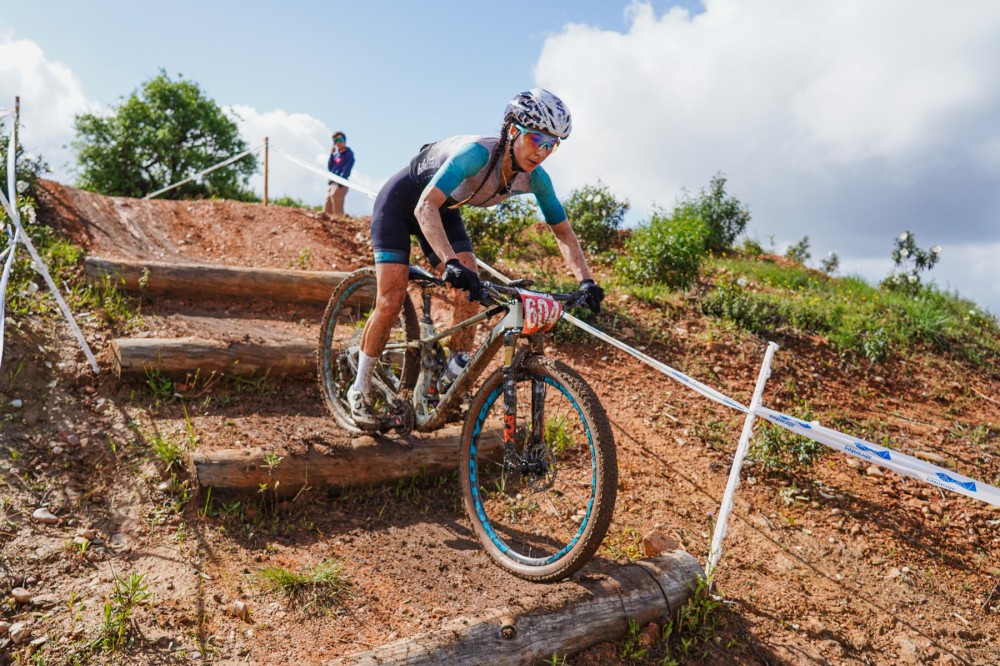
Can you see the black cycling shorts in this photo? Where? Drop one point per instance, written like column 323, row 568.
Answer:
column 394, row 221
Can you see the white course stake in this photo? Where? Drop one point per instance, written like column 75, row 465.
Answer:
column 21, row 236
column 734, row 472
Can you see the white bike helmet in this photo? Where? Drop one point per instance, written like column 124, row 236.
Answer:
column 540, row 110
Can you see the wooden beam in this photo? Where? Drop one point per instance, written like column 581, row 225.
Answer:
column 645, row 591
column 212, row 281
column 374, row 461
column 188, row 356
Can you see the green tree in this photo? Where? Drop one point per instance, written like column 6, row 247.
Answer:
column 725, row 216
column 163, row 133
column 596, row 215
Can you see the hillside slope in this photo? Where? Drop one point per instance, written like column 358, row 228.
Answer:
column 831, row 563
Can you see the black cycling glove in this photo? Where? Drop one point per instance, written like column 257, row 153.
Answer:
column 593, row 295
column 460, row 277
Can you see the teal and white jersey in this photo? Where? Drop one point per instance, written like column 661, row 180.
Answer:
column 457, row 166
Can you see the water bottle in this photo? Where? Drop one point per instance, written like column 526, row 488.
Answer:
column 454, row 369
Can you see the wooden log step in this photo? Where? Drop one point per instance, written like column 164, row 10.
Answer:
column 212, row 281
column 188, row 356
column 370, row 462
column 644, row 591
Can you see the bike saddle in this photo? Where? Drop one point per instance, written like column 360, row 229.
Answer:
column 418, row 274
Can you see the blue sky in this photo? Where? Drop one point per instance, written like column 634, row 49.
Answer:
column 829, row 119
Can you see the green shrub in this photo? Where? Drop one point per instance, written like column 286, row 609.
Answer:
column 749, row 310
column 778, row 448
column 292, row 202
column 725, row 215
column 752, row 247
column 494, row 229
column 800, row 251
column 830, row 263
column 667, row 249
column 596, row 216
column 910, row 261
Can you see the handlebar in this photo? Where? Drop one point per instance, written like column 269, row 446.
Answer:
column 490, row 290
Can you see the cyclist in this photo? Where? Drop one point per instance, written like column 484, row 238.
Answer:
column 424, row 199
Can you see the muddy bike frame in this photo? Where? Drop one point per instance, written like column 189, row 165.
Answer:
column 505, row 333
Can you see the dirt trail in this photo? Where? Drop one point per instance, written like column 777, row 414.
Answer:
column 831, row 564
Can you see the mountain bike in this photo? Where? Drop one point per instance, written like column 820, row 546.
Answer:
column 537, row 460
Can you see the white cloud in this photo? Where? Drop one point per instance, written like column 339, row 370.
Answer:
column 304, row 138
column 51, row 94
column 846, row 121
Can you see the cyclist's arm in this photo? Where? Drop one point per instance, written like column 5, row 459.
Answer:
column 466, row 162
column 428, row 212
column 569, row 248
column 555, row 217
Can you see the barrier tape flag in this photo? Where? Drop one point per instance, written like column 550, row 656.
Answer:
column 210, row 169
column 326, row 174
column 885, row 457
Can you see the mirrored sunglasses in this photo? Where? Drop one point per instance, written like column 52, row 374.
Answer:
column 537, row 139
column 339, row 139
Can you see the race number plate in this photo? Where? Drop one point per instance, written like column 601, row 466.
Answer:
column 541, row 312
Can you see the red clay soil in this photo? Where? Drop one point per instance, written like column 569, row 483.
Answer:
column 825, row 564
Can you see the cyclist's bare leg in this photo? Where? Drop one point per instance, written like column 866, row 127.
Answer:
column 462, row 309
column 391, row 280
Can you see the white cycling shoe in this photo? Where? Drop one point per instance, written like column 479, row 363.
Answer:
column 361, row 410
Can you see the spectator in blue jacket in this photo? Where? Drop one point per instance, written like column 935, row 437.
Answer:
column 340, row 164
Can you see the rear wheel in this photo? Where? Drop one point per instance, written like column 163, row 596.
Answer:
column 542, row 508
column 339, row 342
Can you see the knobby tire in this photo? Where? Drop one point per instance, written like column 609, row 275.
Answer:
column 545, row 523
column 340, row 333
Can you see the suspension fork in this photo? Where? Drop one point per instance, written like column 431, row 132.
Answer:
column 509, row 396
column 514, row 459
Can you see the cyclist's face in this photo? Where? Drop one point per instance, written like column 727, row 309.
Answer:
column 529, row 153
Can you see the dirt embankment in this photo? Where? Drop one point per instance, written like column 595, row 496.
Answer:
column 834, row 563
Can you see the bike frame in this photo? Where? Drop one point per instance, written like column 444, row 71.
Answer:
column 504, row 334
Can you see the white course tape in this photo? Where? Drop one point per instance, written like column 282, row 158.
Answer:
column 884, row 457
column 326, row 174
column 210, row 169
column 690, row 382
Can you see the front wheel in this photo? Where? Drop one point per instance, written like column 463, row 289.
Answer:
column 340, row 339
column 542, row 503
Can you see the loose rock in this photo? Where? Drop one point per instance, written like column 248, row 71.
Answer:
column 657, row 542
column 19, row 632
column 43, row 515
